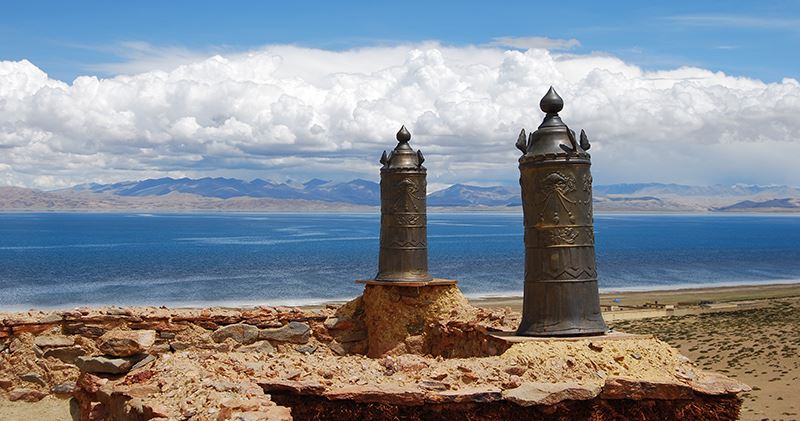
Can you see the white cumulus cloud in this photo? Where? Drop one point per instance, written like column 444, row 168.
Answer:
column 288, row 111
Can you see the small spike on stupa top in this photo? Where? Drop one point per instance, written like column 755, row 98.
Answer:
column 551, row 103
column 522, row 142
column 585, row 145
column 403, row 136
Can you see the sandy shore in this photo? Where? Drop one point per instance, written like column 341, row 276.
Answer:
column 758, row 346
column 688, row 297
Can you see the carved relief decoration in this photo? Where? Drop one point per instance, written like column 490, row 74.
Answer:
column 409, row 220
column 552, row 197
column 560, row 243
column 409, row 198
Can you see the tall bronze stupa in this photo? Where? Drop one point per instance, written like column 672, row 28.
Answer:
column 561, row 296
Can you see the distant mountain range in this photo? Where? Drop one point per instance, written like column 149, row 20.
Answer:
column 357, row 192
column 230, row 194
column 767, row 205
column 461, row 195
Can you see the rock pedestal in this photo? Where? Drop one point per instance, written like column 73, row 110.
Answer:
column 397, row 317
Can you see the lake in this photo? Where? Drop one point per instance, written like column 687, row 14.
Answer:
column 72, row 259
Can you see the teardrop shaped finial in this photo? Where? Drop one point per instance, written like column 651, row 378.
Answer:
column 551, row 103
column 403, row 136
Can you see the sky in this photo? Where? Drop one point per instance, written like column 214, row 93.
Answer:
column 693, row 92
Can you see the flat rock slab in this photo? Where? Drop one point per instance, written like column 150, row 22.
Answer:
column 239, row 332
column 293, row 332
column 529, row 394
column 717, row 384
column 26, row 395
column 53, row 341
column 379, row 393
column 298, row 387
column 476, row 394
column 124, row 343
column 33, row 378
column 263, row 347
column 67, row 354
column 105, row 365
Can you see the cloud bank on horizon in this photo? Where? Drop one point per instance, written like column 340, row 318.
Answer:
column 291, row 112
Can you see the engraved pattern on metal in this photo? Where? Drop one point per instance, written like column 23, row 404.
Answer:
column 561, row 296
column 403, row 255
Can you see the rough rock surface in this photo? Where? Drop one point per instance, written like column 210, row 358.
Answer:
column 263, row 347
column 27, row 395
column 394, row 314
column 53, row 341
column 179, row 386
column 33, row 378
column 528, row 394
column 63, row 388
column 293, row 332
column 124, row 343
column 106, row 365
column 67, row 354
column 239, row 332
column 434, row 356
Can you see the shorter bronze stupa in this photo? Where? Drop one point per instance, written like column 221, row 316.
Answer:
column 404, row 240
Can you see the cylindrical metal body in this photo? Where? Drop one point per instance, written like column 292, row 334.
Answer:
column 403, row 253
column 561, row 295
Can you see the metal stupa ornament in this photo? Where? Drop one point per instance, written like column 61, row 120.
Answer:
column 403, row 253
column 561, row 296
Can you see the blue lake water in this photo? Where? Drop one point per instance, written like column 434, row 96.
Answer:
column 64, row 260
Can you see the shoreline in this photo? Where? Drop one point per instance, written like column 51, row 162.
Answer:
column 626, row 296
column 672, row 296
column 372, row 210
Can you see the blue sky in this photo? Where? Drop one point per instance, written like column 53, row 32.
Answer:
column 744, row 38
column 693, row 92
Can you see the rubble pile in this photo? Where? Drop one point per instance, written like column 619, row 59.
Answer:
column 387, row 353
